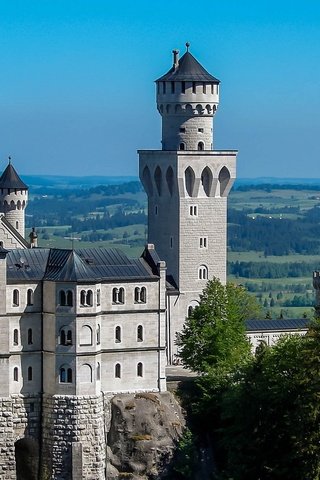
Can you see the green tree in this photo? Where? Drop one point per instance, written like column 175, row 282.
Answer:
column 213, row 337
column 272, row 413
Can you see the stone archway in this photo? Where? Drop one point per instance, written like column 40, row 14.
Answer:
column 27, row 459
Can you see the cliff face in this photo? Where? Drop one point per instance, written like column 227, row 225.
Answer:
column 143, row 432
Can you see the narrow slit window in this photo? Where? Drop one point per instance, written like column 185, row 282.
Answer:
column 15, row 374
column 117, row 370
column 15, row 337
column 140, row 370
column 30, row 339
column 118, row 334
column 140, row 333
column 29, row 374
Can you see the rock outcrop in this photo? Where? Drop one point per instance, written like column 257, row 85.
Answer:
column 144, row 430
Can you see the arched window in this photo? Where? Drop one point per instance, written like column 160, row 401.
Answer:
column 15, row 298
column 86, row 335
column 98, row 334
column 62, row 337
column 65, row 336
column 82, row 298
column 115, row 292
column 140, row 369
column 98, row 297
column 206, row 181
column 65, row 375
column 30, row 339
column 117, row 370
column 62, row 298
column 203, row 272
column 224, row 179
column 170, row 179
column 62, row 375
column 98, row 371
column 136, row 294
column 189, row 178
column 117, row 334
column 85, row 373
column 69, row 337
column 143, row 295
column 89, row 298
column 69, row 298
column 29, row 374
column 147, row 181
column 15, row 337
column 15, row 374
column 121, row 295
column 200, row 146
column 29, row 296
column 158, row 180
column 182, row 146
column 140, row 333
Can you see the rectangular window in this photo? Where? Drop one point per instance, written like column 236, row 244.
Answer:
column 193, row 211
column 182, row 130
column 212, row 88
column 203, row 242
column 200, row 130
column 204, row 88
column 183, row 87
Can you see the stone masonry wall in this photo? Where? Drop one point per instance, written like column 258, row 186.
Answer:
column 19, row 420
column 74, row 441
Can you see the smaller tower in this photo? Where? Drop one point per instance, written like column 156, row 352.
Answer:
column 13, row 198
column 187, row 99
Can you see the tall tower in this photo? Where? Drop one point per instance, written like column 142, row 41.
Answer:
column 187, row 182
column 13, row 198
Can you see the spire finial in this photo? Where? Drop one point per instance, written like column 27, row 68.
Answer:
column 9, row 158
column 187, row 45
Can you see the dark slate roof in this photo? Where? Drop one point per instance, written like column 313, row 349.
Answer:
column 10, row 179
column 83, row 265
column 188, row 69
column 279, row 324
column 27, row 264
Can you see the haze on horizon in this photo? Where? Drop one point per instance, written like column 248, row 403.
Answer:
column 77, row 93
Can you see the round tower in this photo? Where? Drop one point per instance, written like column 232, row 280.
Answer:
column 13, row 198
column 187, row 99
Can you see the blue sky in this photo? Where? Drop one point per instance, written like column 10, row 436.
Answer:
column 77, row 92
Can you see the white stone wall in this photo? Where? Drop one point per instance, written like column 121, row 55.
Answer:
column 270, row 337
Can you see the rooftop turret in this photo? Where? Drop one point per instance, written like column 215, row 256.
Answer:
column 187, row 98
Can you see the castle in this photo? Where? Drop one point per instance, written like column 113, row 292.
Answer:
column 78, row 326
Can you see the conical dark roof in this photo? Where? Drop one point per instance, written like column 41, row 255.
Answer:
column 10, row 179
column 189, row 70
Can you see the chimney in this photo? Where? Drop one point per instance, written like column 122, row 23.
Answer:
column 175, row 58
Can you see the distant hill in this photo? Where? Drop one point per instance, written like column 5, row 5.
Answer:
column 277, row 181
column 71, row 182
column 91, row 181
